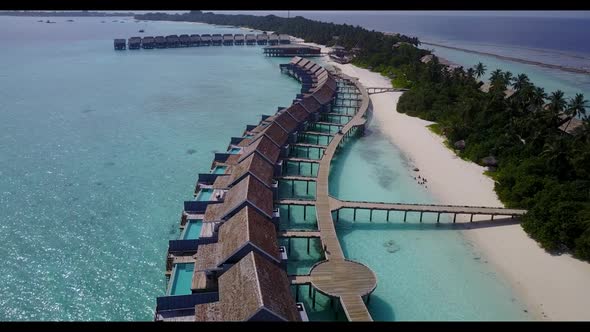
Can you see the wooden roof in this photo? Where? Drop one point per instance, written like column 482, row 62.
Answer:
column 248, row 226
column 261, row 36
column 276, row 134
column 298, row 112
column 286, row 121
column 254, row 165
column 295, row 60
column 208, row 312
column 248, row 190
column 265, row 147
column 310, row 103
column 222, row 181
column 262, row 289
column 323, row 95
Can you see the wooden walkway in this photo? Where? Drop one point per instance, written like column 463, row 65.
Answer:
column 373, row 91
column 336, row 204
column 333, row 277
column 298, row 234
column 306, row 202
column 303, row 160
column 295, row 178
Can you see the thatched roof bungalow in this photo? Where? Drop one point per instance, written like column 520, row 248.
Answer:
column 254, row 289
column 216, row 39
column 160, row 42
column 239, row 39
column 205, row 39
column 250, row 39
column 195, row 40
column 273, row 39
column 249, row 191
column 228, row 39
column 265, row 147
column 262, row 39
column 172, row 41
column 184, row 40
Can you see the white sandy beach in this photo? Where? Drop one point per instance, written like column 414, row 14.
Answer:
column 552, row 287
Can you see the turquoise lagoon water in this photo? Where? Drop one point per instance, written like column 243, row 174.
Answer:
column 192, row 230
column 100, row 148
column 98, row 151
column 183, row 276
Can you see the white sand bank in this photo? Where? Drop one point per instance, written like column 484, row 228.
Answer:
column 553, row 287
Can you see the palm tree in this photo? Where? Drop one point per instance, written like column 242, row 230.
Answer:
column 520, row 82
column 507, row 78
column 496, row 74
column 537, row 99
column 576, row 107
column 470, row 72
column 556, row 101
column 480, row 69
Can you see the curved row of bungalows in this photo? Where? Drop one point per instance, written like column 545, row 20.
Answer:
column 134, row 43
column 250, row 39
column 262, row 39
column 239, row 270
column 184, row 40
column 120, row 44
column 206, row 39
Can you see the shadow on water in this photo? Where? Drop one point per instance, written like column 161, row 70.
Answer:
column 379, row 309
column 345, row 227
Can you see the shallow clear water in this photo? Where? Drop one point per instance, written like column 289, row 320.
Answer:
column 193, row 230
column 98, row 151
column 183, row 277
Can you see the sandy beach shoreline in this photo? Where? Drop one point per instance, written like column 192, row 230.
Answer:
column 552, row 287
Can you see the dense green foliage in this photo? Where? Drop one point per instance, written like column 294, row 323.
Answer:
column 311, row 31
column 539, row 167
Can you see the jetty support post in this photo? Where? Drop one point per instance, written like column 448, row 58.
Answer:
column 421, row 213
column 405, row 215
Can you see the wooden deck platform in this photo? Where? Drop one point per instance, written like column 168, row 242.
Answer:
column 301, row 202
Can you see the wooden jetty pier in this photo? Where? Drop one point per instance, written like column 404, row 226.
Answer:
column 280, row 43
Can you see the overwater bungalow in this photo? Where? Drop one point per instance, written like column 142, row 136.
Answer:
column 250, row 39
column 262, row 289
column 238, row 39
column 284, row 39
column 216, row 39
column 195, row 40
column 273, row 39
column 134, row 43
column 172, row 41
column 286, row 121
column 120, row 44
column 205, row 40
column 147, row 42
column 160, row 42
column 184, row 40
column 247, row 192
column 291, row 50
column 228, row 39
column 263, row 146
column 246, row 231
column 262, row 39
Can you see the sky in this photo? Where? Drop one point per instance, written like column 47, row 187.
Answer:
column 513, row 13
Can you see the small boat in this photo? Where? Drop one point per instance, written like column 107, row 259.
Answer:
column 40, row 21
column 102, row 21
column 141, row 30
column 70, row 20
